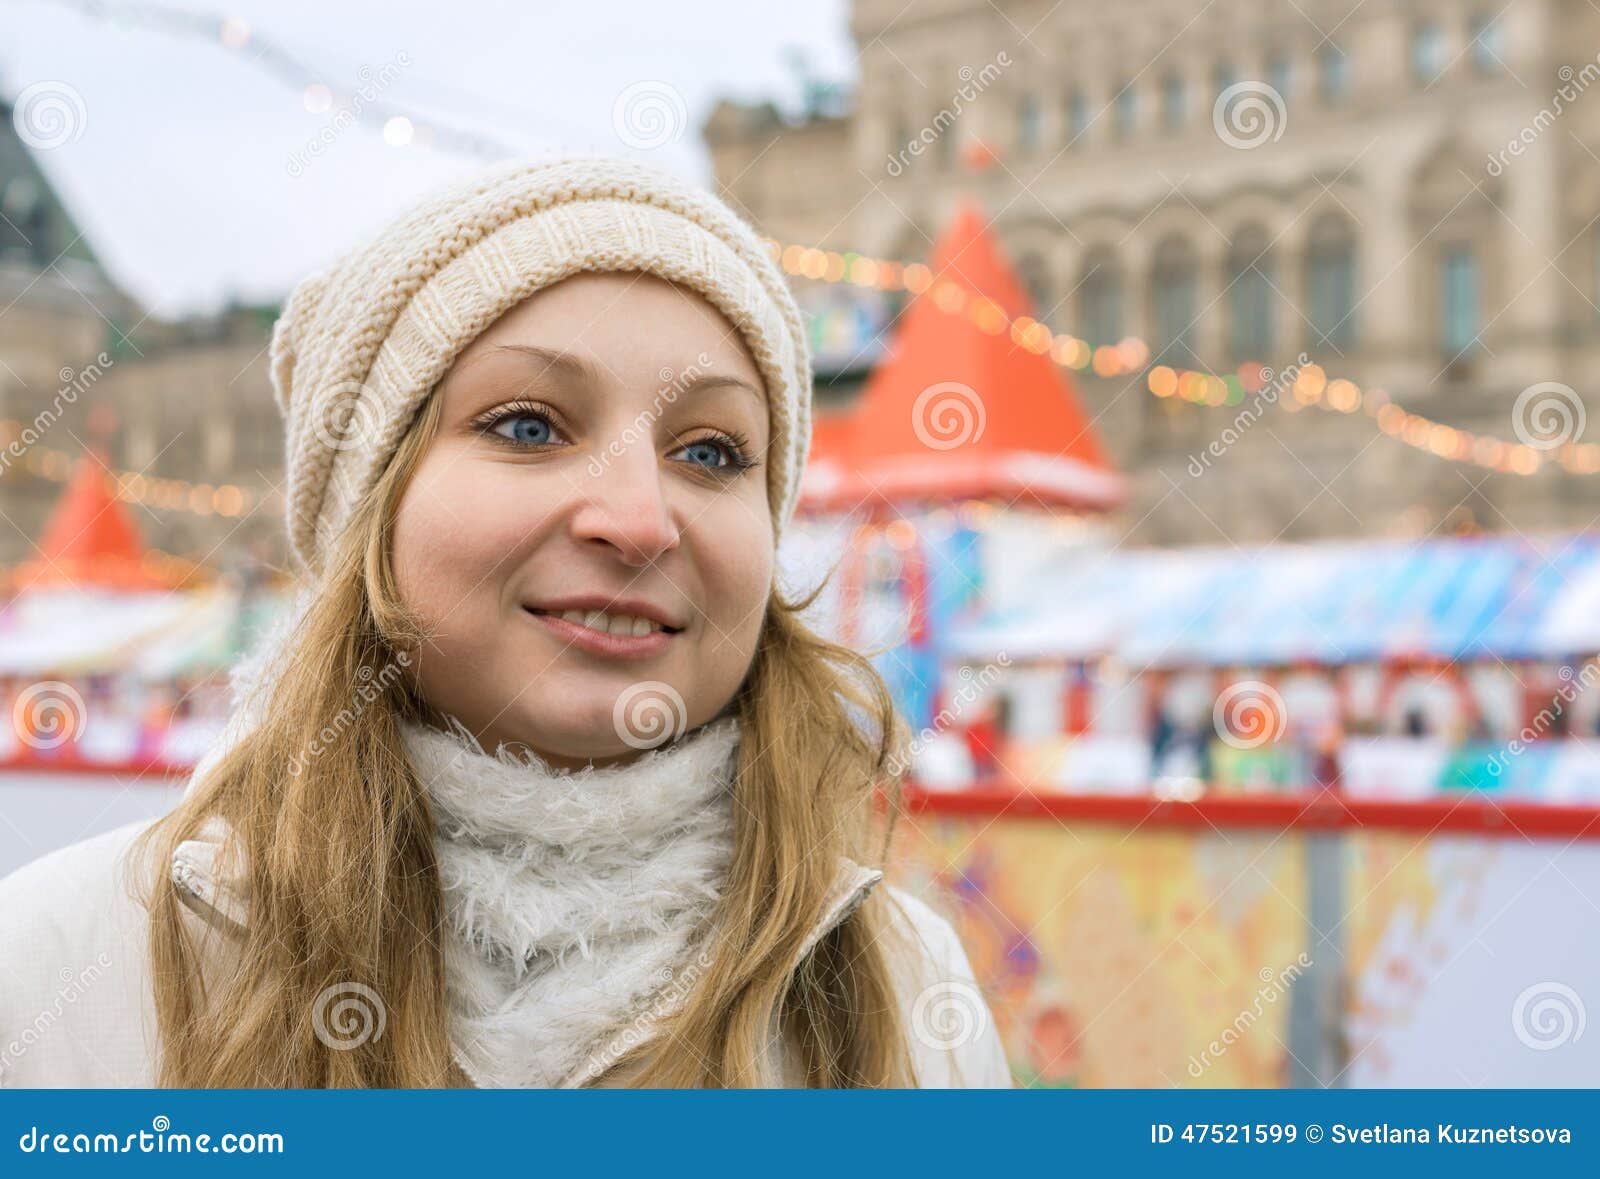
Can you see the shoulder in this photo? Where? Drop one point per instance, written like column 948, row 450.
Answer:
column 70, row 889
column 954, row 1041
column 73, row 965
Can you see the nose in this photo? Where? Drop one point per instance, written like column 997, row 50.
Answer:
column 623, row 505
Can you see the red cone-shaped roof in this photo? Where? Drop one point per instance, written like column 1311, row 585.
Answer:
column 955, row 412
column 90, row 538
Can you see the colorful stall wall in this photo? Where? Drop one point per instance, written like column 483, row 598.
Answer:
column 1472, row 962
column 1112, row 958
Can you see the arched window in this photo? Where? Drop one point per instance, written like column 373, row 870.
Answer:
column 1077, row 116
column 1035, row 277
column 1028, row 123
column 1594, row 278
column 1100, row 299
column 1127, row 110
column 1174, row 302
column 1280, row 75
column 1488, row 45
column 1174, row 102
column 1333, row 74
column 1458, row 303
column 1222, row 76
column 1250, row 283
column 1427, row 52
column 1331, row 279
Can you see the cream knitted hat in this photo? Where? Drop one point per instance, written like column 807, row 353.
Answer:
column 361, row 344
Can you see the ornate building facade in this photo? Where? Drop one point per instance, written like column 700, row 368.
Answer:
column 1403, row 193
column 180, row 412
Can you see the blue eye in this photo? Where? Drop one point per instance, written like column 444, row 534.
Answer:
column 709, row 451
column 526, row 428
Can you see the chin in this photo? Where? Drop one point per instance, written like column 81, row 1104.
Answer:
column 578, row 734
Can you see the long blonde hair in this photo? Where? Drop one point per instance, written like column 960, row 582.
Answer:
column 343, row 885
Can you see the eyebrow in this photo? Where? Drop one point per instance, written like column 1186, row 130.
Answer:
column 582, row 371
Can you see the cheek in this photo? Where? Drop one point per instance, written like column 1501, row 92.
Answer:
column 450, row 555
column 735, row 560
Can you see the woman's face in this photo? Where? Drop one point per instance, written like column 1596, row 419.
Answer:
column 600, row 463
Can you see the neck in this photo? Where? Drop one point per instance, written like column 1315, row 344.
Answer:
column 494, row 743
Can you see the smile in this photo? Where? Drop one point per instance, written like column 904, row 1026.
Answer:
column 606, row 634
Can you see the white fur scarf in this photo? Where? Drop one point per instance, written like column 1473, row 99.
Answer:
column 574, row 898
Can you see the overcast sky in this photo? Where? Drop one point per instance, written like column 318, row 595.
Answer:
column 190, row 164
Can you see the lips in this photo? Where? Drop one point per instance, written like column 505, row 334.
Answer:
column 602, row 613
column 621, row 624
column 625, row 636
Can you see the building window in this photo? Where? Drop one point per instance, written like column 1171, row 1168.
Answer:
column 1174, row 98
column 1035, row 277
column 1459, row 283
column 1488, row 46
column 1427, row 52
column 1331, row 273
column 1127, row 110
column 1280, row 75
column 1100, row 300
column 1596, row 278
column 1250, row 335
column 1333, row 74
column 1027, row 123
column 1174, row 301
column 1222, row 77
column 1077, row 116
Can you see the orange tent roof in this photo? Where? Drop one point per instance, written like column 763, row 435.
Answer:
column 955, row 412
column 90, row 539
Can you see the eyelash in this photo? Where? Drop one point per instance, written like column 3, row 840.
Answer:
column 736, row 442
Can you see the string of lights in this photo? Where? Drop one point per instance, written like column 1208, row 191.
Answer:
column 178, row 495
column 1309, row 386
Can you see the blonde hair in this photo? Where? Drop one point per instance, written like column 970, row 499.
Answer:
column 343, row 884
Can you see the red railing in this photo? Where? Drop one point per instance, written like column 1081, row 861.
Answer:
column 1310, row 810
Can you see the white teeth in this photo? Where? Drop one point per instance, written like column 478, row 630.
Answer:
column 616, row 624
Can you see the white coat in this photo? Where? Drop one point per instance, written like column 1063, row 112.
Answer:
column 76, row 1009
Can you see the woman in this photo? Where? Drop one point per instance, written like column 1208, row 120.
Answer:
column 543, row 781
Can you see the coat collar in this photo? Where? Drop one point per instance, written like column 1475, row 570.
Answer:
column 209, row 876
